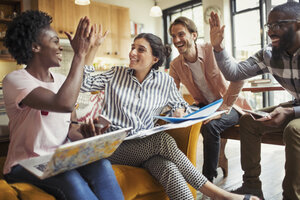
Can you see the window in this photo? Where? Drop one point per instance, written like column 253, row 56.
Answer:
column 192, row 10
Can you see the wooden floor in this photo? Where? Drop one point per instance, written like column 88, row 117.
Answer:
column 272, row 161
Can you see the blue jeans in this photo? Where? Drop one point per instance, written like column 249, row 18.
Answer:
column 211, row 141
column 94, row 181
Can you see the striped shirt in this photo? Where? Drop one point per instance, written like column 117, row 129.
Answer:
column 285, row 69
column 129, row 103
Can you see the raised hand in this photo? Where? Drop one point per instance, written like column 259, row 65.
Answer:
column 81, row 42
column 216, row 32
column 98, row 37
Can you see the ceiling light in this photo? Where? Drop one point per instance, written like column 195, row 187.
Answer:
column 155, row 10
column 82, row 2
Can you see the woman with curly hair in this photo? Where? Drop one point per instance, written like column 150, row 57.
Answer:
column 132, row 97
column 39, row 104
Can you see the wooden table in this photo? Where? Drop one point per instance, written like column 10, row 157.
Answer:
column 266, row 88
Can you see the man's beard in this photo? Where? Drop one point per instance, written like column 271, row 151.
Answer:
column 286, row 41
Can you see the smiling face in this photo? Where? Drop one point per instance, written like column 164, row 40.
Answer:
column 141, row 58
column 182, row 39
column 283, row 39
column 48, row 48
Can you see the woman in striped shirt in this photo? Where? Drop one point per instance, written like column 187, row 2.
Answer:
column 132, row 97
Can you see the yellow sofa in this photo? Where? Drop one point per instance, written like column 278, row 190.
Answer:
column 136, row 183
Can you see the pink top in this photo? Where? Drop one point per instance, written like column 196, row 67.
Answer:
column 32, row 132
column 229, row 91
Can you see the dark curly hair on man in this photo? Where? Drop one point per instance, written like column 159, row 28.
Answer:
column 23, row 31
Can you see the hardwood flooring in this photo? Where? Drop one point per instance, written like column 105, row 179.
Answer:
column 272, row 162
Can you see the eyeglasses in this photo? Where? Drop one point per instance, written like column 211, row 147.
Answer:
column 279, row 24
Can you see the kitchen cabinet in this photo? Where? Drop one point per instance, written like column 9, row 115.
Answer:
column 8, row 10
column 120, row 31
column 101, row 14
column 116, row 19
column 62, row 13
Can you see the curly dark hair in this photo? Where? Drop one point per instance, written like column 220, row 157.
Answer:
column 158, row 49
column 292, row 8
column 23, row 31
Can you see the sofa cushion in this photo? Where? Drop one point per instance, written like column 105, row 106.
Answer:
column 7, row 192
column 30, row 192
column 137, row 183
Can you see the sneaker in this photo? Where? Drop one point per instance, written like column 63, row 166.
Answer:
column 247, row 190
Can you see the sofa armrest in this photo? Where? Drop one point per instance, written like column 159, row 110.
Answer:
column 187, row 140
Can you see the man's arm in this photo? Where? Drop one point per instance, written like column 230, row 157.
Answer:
column 232, row 70
column 297, row 111
column 231, row 94
column 174, row 75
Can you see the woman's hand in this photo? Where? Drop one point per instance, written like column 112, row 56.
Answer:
column 179, row 112
column 89, row 129
column 216, row 32
column 81, row 42
column 277, row 117
column 98, row 37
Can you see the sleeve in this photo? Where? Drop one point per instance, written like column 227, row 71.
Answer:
column 15, row 91
column 297, row 111
column 234, row 71
column 175, row 99
column 95, row 82
column 174, row 75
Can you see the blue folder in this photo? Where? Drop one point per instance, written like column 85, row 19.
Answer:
column 203, row 112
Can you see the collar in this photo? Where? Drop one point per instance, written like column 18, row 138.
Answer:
column 199, row 52
column 151, row 73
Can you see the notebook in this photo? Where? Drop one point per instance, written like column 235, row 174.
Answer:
column 75, row 154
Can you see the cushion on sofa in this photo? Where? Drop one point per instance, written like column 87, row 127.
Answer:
column 30, row 192
column 137, row 183
column 7, row 192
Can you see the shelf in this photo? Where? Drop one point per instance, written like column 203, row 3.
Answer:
column 7, row 57
column 6, row 21
column 10, row 2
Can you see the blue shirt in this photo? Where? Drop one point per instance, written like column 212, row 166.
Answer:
column 131, row 103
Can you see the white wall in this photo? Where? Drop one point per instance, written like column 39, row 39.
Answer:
column 224, row 6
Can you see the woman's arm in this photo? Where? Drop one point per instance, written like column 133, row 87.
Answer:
column 64, row 100
column 96, row 41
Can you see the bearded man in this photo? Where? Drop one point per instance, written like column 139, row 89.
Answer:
column 282, row 59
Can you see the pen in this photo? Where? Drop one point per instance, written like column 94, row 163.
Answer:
column 76, row 122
